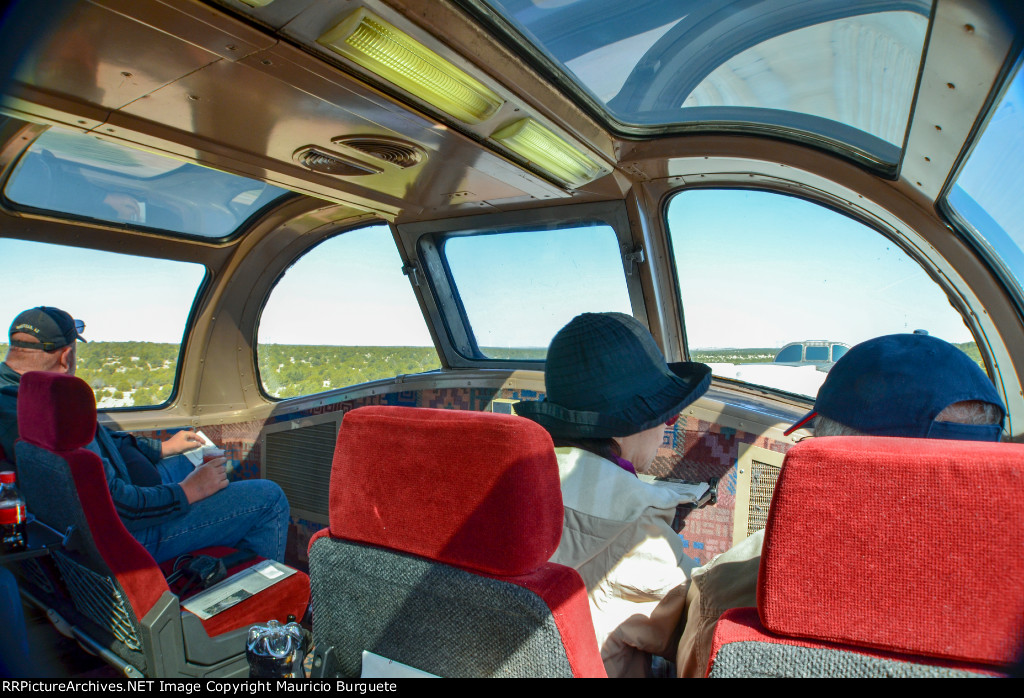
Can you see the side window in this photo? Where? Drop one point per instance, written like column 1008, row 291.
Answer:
column 985, row 198
column 64, row 172
column 817, row 353
column 519, row 288
column 759, row 270
column 343, row 314
column 791, row 353
column 135, row 310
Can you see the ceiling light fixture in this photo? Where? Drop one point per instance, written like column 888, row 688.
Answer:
column 541, row 147
column 369, row 41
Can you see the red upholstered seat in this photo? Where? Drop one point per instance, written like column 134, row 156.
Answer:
column 787, row 656
column 65, row 487
column 447, row 520
column 906, row 549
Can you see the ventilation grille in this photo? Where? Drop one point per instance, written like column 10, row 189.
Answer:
column 299, row 460
column 391, row 150
column 326, row 162
column 763, row 477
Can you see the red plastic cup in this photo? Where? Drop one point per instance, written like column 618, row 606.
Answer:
column 213, row 453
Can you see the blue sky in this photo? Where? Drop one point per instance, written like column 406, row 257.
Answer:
column 520, row 288
column 988, row 189
column 756, row 269
column 120, row 298
column 349, row 290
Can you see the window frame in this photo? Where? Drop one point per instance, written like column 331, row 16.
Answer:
column 1012, row 67
column 245, row 225
column 202, row 289
column 804, row 194
column 536, row 56
column 360, row 225
column 424, row 243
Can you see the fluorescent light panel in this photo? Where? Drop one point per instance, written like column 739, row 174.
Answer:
column 541, row 147
column 369, row 41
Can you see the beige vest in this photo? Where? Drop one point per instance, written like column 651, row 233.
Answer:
column 618, row 536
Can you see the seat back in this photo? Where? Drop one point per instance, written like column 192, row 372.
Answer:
column 903, row 549
column 441, row 526
column 112, row 579
column 115, row 584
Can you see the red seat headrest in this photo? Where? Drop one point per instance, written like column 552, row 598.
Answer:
column 41, row 423
column 472, row 489
column 910, row 545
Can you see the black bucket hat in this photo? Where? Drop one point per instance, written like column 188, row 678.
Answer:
column 606, row 377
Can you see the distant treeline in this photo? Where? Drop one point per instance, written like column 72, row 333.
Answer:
column 289, row 370
column 734, row 356
column 124, row 374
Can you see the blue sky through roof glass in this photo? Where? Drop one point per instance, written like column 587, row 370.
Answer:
column 988, row 191
column 78, row 174
column 846, row 71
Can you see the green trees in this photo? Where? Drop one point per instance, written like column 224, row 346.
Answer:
column 294, row 370
column 138, row 374
column 142, row 374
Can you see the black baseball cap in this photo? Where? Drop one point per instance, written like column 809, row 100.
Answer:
column 53, row 327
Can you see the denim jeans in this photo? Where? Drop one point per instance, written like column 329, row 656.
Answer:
column 249, row 514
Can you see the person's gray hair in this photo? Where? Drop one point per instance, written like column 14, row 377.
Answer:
column 966, row 412
column 823, row 426
column 971, row 412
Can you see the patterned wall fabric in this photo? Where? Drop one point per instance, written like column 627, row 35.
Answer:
column 693, row 450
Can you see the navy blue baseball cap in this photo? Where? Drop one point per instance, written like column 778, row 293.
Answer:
column 897, row 385
column 605, row 377
column 53, row 327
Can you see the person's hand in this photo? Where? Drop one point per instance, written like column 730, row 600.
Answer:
column 184, row 440
column 209, row 478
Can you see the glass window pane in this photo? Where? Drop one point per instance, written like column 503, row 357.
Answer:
column 520, row 288
column 859, row 72
column 134, row 308
column 79, row 174
column 817, row 353
column 987, row 193
column 792, row 272
column 846, row 71
column 343, row 314
column 837, row 351
column 791, row 353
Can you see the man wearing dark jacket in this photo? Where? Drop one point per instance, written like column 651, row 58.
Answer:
column 168, row 506
column 906, row 385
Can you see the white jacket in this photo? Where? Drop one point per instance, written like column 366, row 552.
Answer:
column 617, row 534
